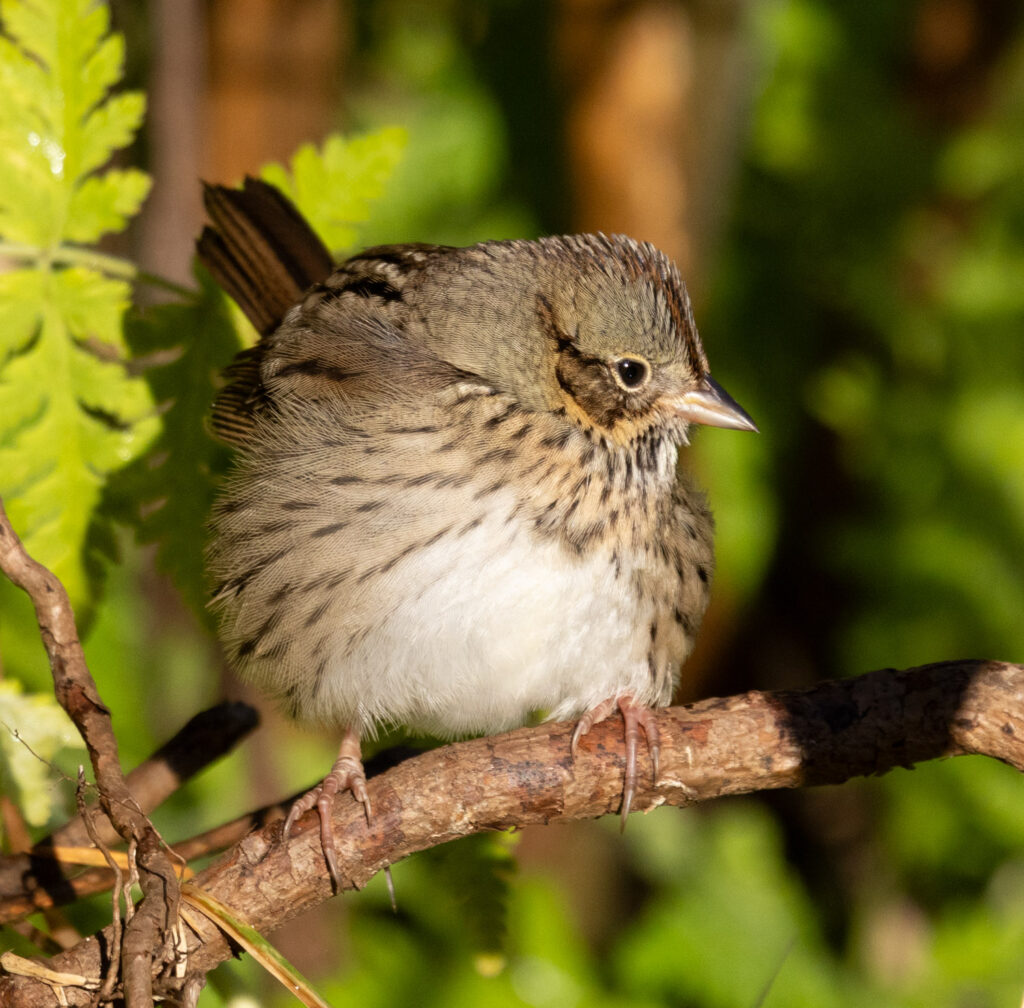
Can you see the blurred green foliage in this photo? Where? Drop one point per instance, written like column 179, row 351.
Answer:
column 415, row 67
column 868, row 308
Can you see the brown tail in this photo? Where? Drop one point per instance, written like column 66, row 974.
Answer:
column 262, row 252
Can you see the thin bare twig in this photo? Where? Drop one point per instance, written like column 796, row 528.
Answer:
column 36, row 881
column 77, row 694
column 206, row 737
column 114, row 966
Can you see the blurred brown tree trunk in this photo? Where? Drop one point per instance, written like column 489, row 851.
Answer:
column 274, row 80
column 234, row 84
column 656, row 95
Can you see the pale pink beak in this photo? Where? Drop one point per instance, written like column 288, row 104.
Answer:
column 711, row 405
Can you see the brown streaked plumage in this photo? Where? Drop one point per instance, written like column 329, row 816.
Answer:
column 456, row 502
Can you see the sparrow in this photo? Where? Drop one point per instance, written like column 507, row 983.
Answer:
column 455, row 503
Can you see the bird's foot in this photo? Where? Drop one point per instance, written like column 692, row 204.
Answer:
column 637, row 717
column 347, row 774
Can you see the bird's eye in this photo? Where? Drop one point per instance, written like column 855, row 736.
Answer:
column 631, row 373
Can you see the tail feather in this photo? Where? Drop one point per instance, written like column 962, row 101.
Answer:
column 260, row 250
column 264, row 254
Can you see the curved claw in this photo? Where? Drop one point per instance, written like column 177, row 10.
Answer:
column 636, row 717
column 347, row 774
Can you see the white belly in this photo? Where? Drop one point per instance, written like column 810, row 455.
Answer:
column 484, row 629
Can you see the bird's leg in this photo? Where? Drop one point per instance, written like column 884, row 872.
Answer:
column 637, row 717
column 346, row 775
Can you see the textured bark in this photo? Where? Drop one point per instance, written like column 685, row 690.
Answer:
column 751, row 742
column 737, row 745
column 77, row 694
column 36, row 881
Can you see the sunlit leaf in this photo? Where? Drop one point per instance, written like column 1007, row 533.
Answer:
column 70, row 412
column 33, row 729
column 335, row 186
column 104, row 203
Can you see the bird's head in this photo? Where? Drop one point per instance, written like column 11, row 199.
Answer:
column 598, row 328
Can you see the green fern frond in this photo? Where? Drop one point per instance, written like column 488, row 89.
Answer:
column 70, row 412
column 167, row 494
column 336, row 186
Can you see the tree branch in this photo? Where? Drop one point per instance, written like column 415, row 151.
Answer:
column 36, row 880
column 737, row 745
column 746, row 743
column 77, row 694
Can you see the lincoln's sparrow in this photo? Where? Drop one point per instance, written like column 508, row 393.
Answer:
column 456, row 500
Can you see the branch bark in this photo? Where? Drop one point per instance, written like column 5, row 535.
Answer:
column 77, row 694
column 737, row 745
column 35, row 880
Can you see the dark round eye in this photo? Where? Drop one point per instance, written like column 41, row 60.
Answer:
column 632, row 373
